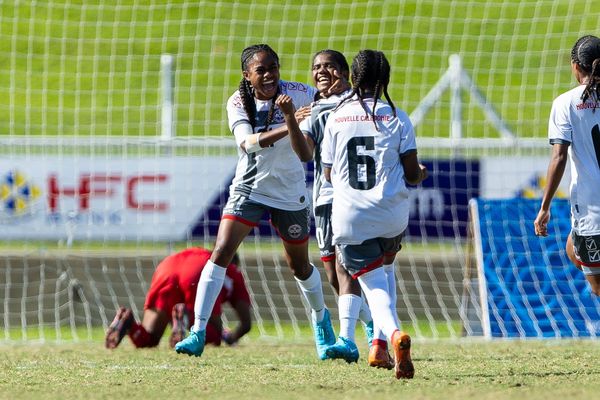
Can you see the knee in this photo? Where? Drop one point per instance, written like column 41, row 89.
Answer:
column 223, row 254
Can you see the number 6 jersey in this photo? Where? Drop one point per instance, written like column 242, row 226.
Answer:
column 370, row 198
column 578, row 123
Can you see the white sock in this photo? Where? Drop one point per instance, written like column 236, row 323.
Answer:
column 349, row 307
column 312, row 290
column 390, row 272
column 365, row 313
column 375, row 287
column 209, row 287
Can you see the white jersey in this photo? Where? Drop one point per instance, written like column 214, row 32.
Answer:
column 314, row 127
column 578, row 123
column 273, row 176
column 370, row 198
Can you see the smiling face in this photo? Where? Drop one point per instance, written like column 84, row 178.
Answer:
column 263, row 75
column 323, row 72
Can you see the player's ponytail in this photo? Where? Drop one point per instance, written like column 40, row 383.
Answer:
column 586, row 54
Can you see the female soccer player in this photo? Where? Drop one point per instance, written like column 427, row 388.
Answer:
column 330, row 73
column 269, row 177
column 172, row 291
column 574, row 133
column 369, row 151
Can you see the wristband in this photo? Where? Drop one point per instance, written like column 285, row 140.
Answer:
column 253, row 143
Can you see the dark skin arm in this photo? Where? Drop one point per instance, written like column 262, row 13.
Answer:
column 414, row 172
column 555, row 172
column 299, row 143
column 242, row 310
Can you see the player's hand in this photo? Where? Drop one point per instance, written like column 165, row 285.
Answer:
column 302, row 113
column 227, row 337
column 541, row 223
column 424, row 172
column 285, row 104
column 340, row 85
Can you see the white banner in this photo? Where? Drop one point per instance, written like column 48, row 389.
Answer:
column 509, row 177
column 99, row 198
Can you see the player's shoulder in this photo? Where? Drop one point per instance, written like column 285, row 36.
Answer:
column 569, row 97
column 235, row 100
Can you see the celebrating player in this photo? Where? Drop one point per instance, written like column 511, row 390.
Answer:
column 173, row 290
column 369, row 151
column 330, row 73
column 574, row 134
column 269, row 177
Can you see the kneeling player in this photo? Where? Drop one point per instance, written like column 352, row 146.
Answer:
column 172, row 294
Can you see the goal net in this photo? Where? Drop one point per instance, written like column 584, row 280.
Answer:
column 523, row 286
column 114, row 150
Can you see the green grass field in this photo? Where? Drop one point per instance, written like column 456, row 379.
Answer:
column 289, row 369
column 72, row 67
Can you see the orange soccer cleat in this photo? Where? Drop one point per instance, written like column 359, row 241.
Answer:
column 379, row 357
column 404, row 366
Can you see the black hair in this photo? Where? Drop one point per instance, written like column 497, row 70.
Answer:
column 247, row 91
column 586, row 54
column 370, row 73
column 338, row 58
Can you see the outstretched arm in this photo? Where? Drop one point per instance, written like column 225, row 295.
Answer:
column 242, row 310
column 556, row 169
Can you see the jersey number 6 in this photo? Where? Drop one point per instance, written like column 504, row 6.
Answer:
column 361, row 165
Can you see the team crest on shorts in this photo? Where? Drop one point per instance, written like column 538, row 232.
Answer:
column 295, row 231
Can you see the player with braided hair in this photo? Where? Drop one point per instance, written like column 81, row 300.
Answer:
column 574, row 133
column 269, row 178
column 330, row 73
column 369, row 151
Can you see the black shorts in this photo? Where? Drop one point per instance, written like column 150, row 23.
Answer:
column 359, row 259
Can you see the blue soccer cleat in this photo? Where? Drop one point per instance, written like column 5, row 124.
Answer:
column 193, row 345
column 370, row 332
column 324, row 335
column 344, row 349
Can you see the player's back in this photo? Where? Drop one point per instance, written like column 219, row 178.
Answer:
column 369, row 193
column 579, row 122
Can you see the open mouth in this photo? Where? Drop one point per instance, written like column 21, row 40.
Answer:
column 269, row 86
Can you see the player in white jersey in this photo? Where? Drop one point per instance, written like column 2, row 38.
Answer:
column 269, row 178
column 330, row 73
column 574, row 132
column 369, row 151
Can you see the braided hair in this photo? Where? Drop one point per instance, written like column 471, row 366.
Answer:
column 247, row 91
column 586, row 54
column 370, row 73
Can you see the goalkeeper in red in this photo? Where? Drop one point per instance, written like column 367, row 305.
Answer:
column 574, row 133
column 171, row 299
column 369, row 151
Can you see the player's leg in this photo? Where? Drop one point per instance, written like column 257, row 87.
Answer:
column 349, row 304
column 364, row 262
column 118, row 328
column 149, row 332
column 239, row 217
column 180, row 323
column 293, row 228
column 324, row 236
